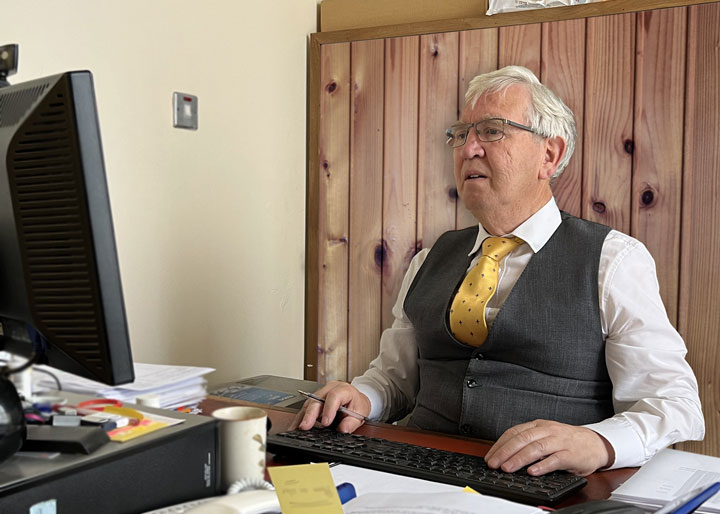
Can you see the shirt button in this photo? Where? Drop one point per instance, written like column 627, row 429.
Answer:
column 465, row 429
column 472, row 383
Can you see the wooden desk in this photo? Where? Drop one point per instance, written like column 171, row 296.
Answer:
column 600, row 484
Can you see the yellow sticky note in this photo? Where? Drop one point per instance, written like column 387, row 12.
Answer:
column 305, row 489
column 469, row 489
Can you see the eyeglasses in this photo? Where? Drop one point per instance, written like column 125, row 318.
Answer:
column 491, row 129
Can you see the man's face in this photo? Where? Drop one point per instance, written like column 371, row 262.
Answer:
column 499, row 173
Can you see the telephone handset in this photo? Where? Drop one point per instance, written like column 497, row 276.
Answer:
column 256, row 497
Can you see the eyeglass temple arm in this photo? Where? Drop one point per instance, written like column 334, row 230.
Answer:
column 518, row 125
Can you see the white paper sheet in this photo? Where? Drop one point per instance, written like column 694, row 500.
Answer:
column 370, row 481
column 175, row 385
column 386, row 493
column 501, row 6
column 433, row 503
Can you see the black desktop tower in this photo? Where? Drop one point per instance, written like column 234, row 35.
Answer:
column 172, row 465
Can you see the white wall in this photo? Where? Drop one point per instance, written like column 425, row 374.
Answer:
column 209, row 224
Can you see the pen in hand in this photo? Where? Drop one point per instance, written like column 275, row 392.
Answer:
column 342, row 409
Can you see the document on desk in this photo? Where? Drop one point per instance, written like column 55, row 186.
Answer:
column 174, row 385
column 668, row 475
column 386, row 493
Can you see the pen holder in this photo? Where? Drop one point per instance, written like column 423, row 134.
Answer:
column 243, row 434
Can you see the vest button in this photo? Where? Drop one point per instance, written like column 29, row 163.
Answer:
column 479, row 356
column 465, row 429
column 472, row 383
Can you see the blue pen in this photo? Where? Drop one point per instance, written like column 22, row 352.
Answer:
column 670, row 507
column 693, row 503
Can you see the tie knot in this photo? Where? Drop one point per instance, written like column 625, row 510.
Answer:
column 498, row 247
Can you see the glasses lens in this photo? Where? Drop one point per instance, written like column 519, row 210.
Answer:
column 490, row 130
column 456, row 136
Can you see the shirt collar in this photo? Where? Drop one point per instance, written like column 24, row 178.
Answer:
column 535, row 231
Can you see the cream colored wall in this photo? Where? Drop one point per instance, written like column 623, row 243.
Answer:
column 209, row 224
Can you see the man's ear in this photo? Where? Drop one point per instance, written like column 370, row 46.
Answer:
column 554, row 150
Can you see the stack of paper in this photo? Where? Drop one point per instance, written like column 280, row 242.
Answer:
column 668, row 475
column 174, row 386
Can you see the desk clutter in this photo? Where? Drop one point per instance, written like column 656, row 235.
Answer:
column 116, row 410
column 74, row 468
column 155, row 385
column 384, row 476
column 165, row 472
column 56, row 424
column 312, row 489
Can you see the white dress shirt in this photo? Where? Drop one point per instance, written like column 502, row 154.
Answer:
column 655, row 394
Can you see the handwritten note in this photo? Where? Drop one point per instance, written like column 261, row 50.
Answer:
column 306, row 489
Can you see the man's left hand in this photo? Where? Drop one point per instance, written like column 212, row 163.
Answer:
column 550, row 446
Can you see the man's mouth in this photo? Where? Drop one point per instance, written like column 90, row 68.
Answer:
column 474, row 176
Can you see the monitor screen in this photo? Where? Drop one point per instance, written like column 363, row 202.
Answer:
column 61, row 298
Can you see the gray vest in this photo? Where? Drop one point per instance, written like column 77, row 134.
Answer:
column 544, row 357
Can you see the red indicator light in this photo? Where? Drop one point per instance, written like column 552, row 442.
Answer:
column 187, row 98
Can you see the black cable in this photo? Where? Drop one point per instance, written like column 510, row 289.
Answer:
column 5, row 371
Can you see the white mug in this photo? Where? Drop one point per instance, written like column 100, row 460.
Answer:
column 243, row 432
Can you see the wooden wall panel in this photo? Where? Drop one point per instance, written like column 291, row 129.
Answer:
column 607, row 162
column 478, row 54
column 658, row 143
column 520, row 45
column 334, row 172
column 366, row 183
column 699, row 321
column 400, row 166
column 563, row 71
column 437, row 111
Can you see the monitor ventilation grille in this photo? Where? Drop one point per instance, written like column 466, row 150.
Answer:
column 50, row 198
column 13, row 106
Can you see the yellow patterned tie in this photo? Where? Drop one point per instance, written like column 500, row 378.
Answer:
column 467, row 313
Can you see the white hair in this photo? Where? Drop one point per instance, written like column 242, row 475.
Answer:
column 547, row 114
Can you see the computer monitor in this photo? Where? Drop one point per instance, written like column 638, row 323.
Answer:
column 61, row 299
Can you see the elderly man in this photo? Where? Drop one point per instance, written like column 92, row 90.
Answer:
column 537, row 329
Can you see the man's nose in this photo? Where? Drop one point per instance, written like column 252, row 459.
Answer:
column 473, row 147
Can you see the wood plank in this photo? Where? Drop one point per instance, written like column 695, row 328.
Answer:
column 478, row 54
column 366, row 184
column 358, row 16
column 563, row 71
column 607, row 161
column 698, row 319
column 400, row 166
column 658, row 143
column 520, row 45
column 333, row 172
column 341, row 14
column 438, row 105
column 312, row 238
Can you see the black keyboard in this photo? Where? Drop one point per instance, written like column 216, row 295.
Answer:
column 323, row 444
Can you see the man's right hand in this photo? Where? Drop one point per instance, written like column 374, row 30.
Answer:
column 336, row 394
